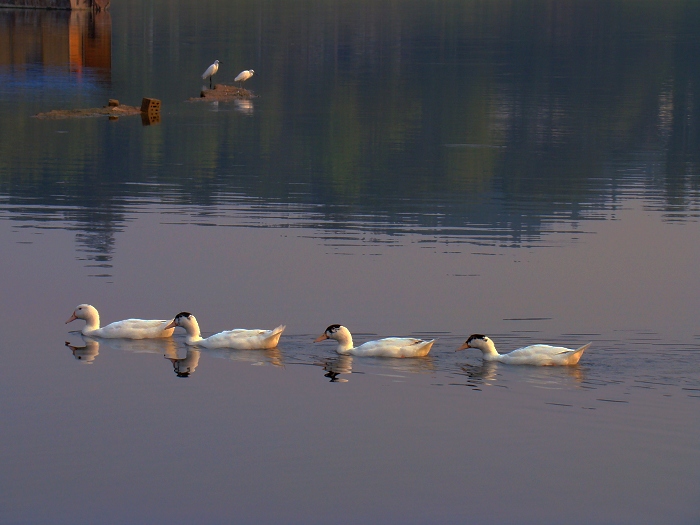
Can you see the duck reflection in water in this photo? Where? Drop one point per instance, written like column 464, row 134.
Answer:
column 487, row 374
column 335, row 366
column 272, row 356
column 184, row 366
column 91, row 349
column 85, row 354
column 343, row 364
column 556, row 377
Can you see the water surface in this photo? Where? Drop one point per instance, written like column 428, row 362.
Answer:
column 527, row 170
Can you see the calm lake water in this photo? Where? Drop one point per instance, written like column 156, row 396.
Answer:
column 525, row 169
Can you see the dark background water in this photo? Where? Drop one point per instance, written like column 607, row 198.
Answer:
column 523, row 169
column 496, row 115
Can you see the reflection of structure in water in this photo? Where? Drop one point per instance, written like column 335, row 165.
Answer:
column 77, row 39
column 96, row 5
column 150, row 119
column 243, row 105
column 98, row 243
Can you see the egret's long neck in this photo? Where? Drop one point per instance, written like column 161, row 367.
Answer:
column 193, row 333
column 489, row 350
column 344, row 342
column 92, row 323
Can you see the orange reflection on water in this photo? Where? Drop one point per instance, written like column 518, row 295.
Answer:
column 90, row 41
column 77, row 39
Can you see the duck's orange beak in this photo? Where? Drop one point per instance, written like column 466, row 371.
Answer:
column 171, row 324
column 72, row 318
column 321, row 337
column 463, row 347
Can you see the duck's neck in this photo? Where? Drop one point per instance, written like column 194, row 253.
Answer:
column 344, row 342
column 489, row 351
column 92, row 323
column 193, row 333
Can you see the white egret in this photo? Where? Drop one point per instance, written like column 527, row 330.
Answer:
column 211, row 71
column 243, row 76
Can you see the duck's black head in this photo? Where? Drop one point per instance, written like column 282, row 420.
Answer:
column 476, row 336
column 182, row 315
column 332, row 328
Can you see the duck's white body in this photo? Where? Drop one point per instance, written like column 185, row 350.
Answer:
column 127, row 329
column 389, row 347
column 541, row 355
column 239, row 338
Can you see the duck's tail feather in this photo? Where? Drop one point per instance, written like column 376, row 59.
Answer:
column 279, row 329
column 424, row 348
column 574, row 358
column 274, row 336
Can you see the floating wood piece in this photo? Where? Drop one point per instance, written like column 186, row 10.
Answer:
column 120, row 111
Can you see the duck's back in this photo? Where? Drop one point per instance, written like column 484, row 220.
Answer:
column 244, row 339
column 394, row 347
column 543, row 355
column 134, row 329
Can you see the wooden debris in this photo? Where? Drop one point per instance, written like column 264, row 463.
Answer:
column 150, row 109
column 117, row 111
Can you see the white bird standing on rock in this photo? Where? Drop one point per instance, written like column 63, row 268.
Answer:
column 539, row 354
column 243, row 76
column 211, row 71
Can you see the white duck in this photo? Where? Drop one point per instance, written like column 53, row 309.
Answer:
column 542, row 355
column 127, row 329
column 240, row 339
column 389, row 347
